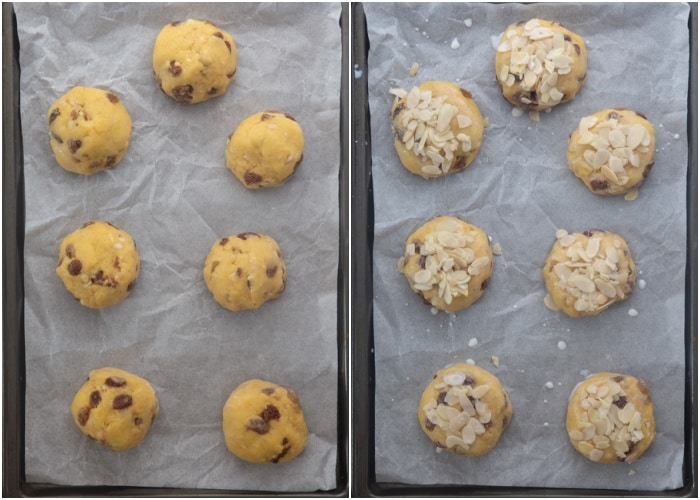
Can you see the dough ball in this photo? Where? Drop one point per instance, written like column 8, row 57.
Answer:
column 540, row 64
column 585, row 273
column 89, row 130
column 448, row 262
column 244, row 271
column 193, row 60
column 464, row 409
column 610, row 418
column 115, row 408
column 264, row 422
column 438, row 128
column 612, row 150
column 99, row 264
column 265, row 149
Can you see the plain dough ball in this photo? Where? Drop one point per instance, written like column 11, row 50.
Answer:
column 612, row 150
column 264, row 422
column 610, row 418
column 448, row 262
column 194, row 60
column 99, row 264
column 464, row 409
column 115, row 408
column 89, row 130
column 438, row 128
column 585, row 273
column 540, row 64
column 244, row 271
column 265, row 149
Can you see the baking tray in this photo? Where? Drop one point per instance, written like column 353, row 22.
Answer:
column 364, row 478
column 14, row 367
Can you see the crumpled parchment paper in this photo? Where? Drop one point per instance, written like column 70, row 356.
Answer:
column 173, row 194
column 520, row 191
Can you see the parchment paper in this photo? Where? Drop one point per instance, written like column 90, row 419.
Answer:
column 520, row 191
column 174, row 195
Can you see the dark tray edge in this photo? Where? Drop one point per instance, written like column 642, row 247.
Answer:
column 364, row 482
column 14, row 483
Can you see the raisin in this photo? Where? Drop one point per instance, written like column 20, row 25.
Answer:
column 270, row 413
column 111, row 160
column 258, row 425
column 130, row 286
column 441, row 398
column 74, row 145
column 460, row 163
column 83, row 415
column 567, row 38
column 465, row 93
column 138, row 421
column 231, row 74
column 289, row 117
column 468, row 381
column 251, row 178
column 223, row 241
column 213, row 91
column 219, row 35
column 271, row 271
column 74, row 267
column 228, row 45
column 621, row 402
column 112, row 98
column 122, row 401
column 577, row 49
column 95, row 399
column 285, row 450
column 239, row 272
column 115, row 381
column 292, row 396
column 56, row 137
column 613, row 115
column 175, row 68
column 70, row 251
column 182, row 93
column 484, row 284
column 265, row 116
column 599, row 184
column 268, row 391
column 54, row 114
column 429, row 425
column 421, row 261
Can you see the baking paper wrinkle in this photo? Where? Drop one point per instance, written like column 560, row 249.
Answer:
column 520, row 191
column 174, row 195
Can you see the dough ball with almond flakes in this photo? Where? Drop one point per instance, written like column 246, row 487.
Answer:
column 540, row 64
column 465, row 410
column 448, row 262
column 438, row 128
column 585, row 273
column 193, row 60
column 612, row 151
column 610, row 418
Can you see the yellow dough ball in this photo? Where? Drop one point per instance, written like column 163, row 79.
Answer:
column 612, row 150
column 448, row 262
column 465, row 410
column 438, row 128
column 115, row 408
column 89, row 130
column 540, row 64
column 610, row 418
column 193, row 60
column 244, row 271
column 264, row 422
column 99, row 264
column 265, row 149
